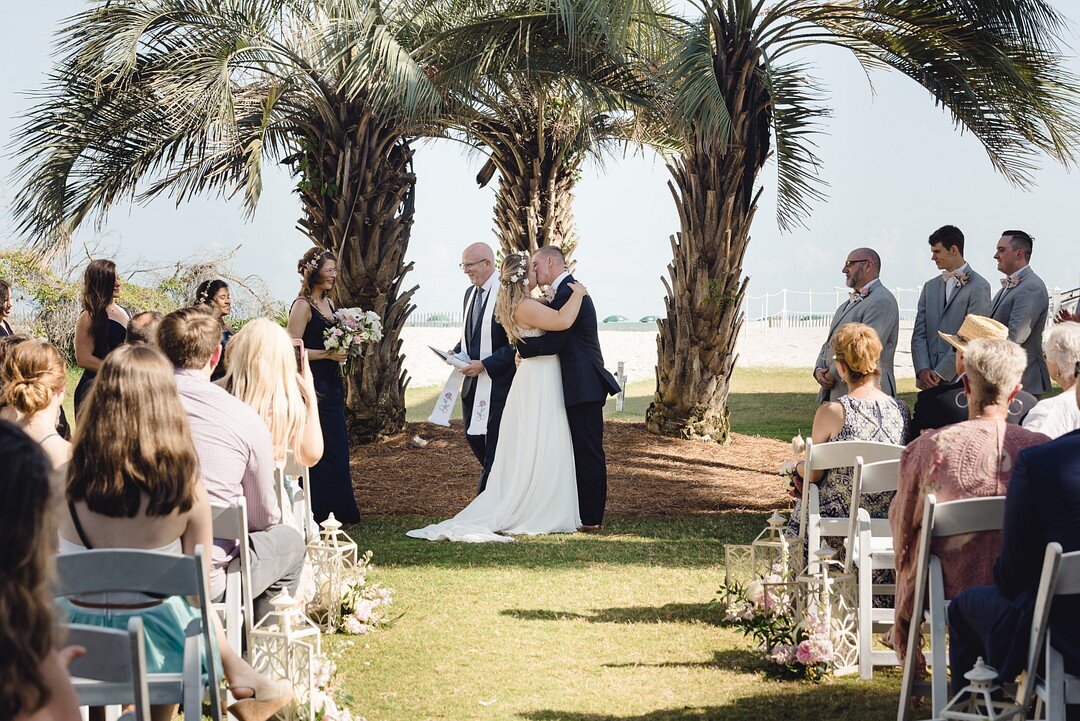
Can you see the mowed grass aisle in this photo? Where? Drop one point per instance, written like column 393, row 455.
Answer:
column 577, row 627
column 610, row 627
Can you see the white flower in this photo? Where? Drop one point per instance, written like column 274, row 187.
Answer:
column 353, row 625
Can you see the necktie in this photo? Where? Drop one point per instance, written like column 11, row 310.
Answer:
column 476, row 310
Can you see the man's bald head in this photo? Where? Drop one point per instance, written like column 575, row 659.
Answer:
column 478, row 262
column 875, row 259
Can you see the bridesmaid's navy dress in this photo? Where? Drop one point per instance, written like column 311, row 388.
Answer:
column 115, row 335
column 331, row 480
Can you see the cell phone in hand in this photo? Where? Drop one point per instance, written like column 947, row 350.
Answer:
column 298, row 349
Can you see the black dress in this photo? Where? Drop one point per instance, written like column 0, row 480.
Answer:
column 331, row 481
column 115, row 335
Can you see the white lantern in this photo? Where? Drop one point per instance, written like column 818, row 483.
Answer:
column 286, row 644
column 332, row 555
column 975, row 702
column 771, row 553
column 830, row 598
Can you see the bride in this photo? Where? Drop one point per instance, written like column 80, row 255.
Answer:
column 532, row 486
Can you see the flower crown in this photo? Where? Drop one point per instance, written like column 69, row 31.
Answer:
column 521, row 274
column 314, row 262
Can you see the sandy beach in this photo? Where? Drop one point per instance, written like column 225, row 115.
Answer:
column 636, row 349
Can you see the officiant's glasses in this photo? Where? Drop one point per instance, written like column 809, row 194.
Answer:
column 466, row 266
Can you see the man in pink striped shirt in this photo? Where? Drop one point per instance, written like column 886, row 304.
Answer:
column 236, row 458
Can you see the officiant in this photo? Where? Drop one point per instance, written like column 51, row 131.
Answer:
column 490, row 369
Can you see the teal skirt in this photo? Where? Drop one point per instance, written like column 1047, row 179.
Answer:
column 163, row 629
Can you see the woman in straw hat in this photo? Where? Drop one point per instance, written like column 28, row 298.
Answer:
column 965, row 460
column 946, row 404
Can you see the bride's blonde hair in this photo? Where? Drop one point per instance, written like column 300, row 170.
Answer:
column 513, row 288
column 261, row 371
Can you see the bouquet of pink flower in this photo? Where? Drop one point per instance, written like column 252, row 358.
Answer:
column 351, row 331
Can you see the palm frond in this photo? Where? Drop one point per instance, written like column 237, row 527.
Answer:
column 797, row 111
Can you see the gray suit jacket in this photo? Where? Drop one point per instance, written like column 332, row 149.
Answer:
column 1023, row 309
column 879, row 311
column 928, row 350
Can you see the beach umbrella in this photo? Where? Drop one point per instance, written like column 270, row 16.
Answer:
column 616, row 319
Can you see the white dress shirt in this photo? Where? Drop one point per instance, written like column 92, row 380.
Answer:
column 952, row 284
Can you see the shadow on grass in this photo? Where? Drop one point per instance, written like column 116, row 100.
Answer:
column 735, row 659
column 679, row 542
column 669, row 613
column 828, row 701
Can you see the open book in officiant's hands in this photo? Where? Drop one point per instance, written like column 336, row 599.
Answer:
column 458, row 360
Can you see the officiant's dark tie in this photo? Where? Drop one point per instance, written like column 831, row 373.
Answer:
column 476, row 310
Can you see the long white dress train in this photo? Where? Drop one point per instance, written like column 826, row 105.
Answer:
column 532, row 487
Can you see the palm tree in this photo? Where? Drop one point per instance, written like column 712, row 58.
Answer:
column 539, row 87
column 182, row 97
column 740, row 95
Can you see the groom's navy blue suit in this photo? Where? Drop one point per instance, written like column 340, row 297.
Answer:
column 586, row 386
column 500, row 366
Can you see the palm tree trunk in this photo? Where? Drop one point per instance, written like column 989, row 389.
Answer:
column 534, row 204
column 357, row 188
column 714, row 191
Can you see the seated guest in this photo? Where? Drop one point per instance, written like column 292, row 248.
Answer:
column 236, row 459
column 34, row 683
column 262, row 373
column 7, row 343
column 1059, row 415
column 1041, row 505
column 971, row 459
column 134, row 483
column 865, row 413
column 142, row 328
column 946, row 404
column 34, row 381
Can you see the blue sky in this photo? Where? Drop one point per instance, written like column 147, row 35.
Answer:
column 897, row 170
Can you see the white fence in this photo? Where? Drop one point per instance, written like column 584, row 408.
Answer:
column 785, row 308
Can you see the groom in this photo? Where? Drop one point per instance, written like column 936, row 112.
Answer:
column 586, row 384
column 491, row 366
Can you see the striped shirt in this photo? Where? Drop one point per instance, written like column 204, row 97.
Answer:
column 236, row 458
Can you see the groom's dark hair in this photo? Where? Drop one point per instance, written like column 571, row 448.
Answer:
column 553, row 250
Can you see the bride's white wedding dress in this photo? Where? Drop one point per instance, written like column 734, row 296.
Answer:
column 532, row 487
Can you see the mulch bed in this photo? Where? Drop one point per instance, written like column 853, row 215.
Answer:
column 648, row 475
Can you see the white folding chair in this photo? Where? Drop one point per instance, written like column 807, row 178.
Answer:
column 1057, row 689
column 870, row 548
column 237, row 608
column 298, row 496
column 822, row 457
column 123, row 570
column 113, row 669
column 940, row 520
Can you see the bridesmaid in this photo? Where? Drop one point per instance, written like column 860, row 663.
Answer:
column 5, row 308
column 101, row 327
column 214, row 294
column 309, row 317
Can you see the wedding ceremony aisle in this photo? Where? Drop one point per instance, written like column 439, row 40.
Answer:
column 610, row 627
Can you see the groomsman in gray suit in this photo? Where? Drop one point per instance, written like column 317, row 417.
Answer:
column 871, row 303
column 1022, row 305
column 943, row 304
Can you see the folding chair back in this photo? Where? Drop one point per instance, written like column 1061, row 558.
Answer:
column 237, row 609
column 165, row 574
column 940, row 520
column 300, row 498
column 869, row 544
column 1058, row 688
column 826, row 456
column 113, row 669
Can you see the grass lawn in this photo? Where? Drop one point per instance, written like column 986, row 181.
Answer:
column 581, row 628
column 770, row 402
column 614, row 627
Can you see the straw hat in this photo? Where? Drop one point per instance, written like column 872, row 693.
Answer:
column 975, row 327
